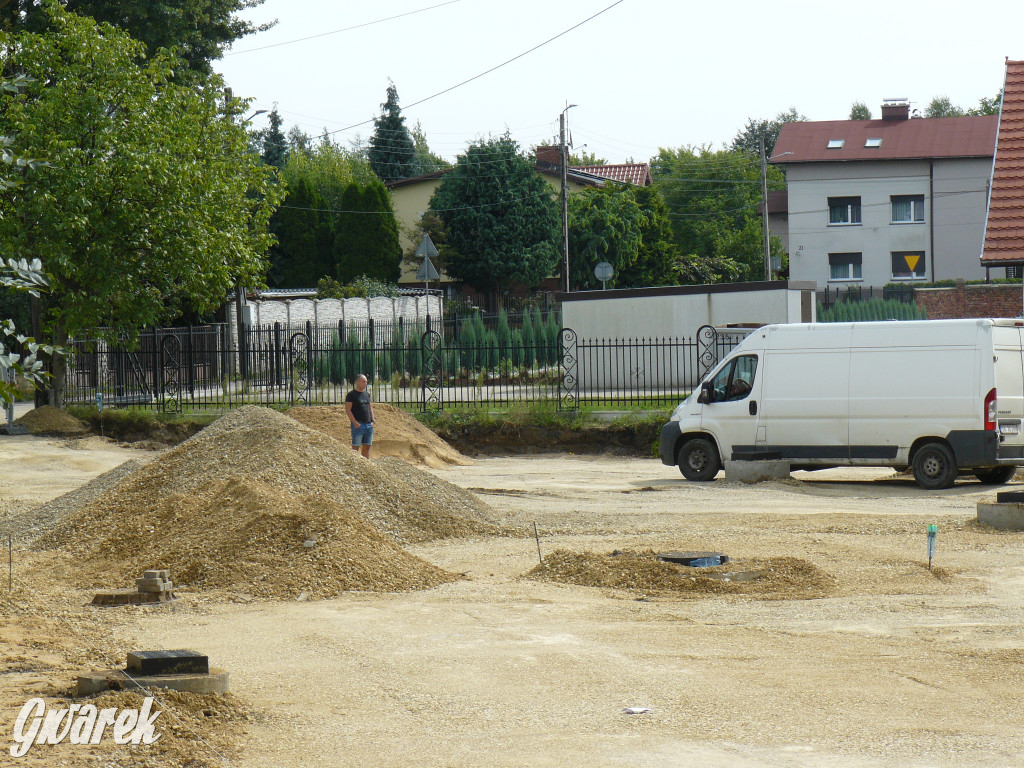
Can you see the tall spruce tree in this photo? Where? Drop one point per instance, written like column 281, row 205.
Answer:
column 392, row 149
column 274, row 144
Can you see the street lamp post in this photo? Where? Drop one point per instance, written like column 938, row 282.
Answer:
column 764, row 210
column 563, row 162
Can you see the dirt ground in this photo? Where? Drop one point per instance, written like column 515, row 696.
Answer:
column 883, row 663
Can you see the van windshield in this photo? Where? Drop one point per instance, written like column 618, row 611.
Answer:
column 735, row 380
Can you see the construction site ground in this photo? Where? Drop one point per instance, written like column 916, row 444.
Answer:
column 860, row 656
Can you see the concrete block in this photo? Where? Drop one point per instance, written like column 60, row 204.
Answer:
column 131, row 597
column 153, row 585
column 168, row 663
column 756, row 471
column 117, row 680
column 157, row 574
column 1007, row 517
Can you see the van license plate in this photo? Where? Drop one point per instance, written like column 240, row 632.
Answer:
column 1009, row 429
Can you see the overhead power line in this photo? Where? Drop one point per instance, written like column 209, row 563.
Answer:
column 339, row 31
column 492, row 69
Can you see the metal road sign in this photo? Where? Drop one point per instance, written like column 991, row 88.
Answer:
column 427, row 271
column 426, row 249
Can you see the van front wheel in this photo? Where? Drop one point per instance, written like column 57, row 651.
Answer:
column 996, row 475
column 934, row 467
column 698, row 460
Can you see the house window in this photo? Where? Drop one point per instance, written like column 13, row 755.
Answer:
column 836, row 143
column 843, row 210
column 844, row 266
column 909, row 265
column 873, row 143
column 907, row 209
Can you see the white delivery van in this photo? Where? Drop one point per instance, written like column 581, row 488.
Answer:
column 940, row 396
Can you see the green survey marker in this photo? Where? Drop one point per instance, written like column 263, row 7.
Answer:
column 933, row 532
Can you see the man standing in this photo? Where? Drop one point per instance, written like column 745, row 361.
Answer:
column 360, row 412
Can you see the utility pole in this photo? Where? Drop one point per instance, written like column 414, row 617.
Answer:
column 764, row 214
column 563, row 162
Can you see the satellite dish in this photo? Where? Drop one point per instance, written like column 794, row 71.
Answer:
column 604, row 272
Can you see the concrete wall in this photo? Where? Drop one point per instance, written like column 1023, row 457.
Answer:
column 955, row 193
column 670, row 313
column 680, row 311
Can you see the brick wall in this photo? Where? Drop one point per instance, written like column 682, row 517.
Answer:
column 970, row 301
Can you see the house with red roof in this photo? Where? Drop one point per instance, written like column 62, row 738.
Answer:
column 411, row 199
column 1004, row 230
column 896, row 200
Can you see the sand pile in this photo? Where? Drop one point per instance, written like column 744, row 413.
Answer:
column 396, row 433
column 47, row 420
column 260, row 503
column 643, row 573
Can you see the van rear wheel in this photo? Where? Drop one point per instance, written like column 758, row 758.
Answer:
column 934, row 466
column 996, row 475
column 699, row 460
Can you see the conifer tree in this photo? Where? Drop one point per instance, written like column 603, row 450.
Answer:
column 366, row 240
column 392, row 150
column 274, row 144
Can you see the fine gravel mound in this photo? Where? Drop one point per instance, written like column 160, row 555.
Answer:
column 260, row 503
column 47, row 420
column 644, row 573
column 395, row 433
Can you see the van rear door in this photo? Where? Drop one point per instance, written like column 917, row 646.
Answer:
column 1008, row 343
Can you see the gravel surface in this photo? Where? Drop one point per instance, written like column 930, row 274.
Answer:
column 883, row 663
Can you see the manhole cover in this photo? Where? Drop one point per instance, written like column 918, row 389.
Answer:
column 694, row 559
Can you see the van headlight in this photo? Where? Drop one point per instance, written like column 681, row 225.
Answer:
column 677, row 414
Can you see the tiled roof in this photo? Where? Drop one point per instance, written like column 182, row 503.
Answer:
column 637, row 174
column 911, row 139
column 1004, row 231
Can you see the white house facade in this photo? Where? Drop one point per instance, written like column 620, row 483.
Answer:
column 897, row 200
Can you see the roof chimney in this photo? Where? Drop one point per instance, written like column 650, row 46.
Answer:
column 550, row 155
column 896, row 109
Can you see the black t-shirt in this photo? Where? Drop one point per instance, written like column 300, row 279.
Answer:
column 360, row 405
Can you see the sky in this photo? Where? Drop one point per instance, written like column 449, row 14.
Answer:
column 643, row 74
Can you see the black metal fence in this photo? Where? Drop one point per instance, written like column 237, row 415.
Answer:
column 411, row 366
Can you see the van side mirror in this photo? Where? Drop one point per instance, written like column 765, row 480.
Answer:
column 707, row 393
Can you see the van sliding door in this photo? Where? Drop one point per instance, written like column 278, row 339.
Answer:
column 805, row 396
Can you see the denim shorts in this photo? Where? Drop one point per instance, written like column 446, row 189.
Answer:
column 362, row 435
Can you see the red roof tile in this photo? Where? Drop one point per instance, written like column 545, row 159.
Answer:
column 912, row 139
column 637, row 174
column 1004, row 230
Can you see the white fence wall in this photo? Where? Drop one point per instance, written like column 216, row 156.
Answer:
column 324, row 312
